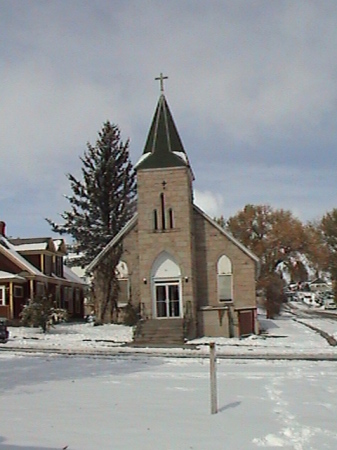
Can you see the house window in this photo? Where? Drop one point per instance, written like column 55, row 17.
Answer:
column 77, row 301
column 58, row 296
column 18, row 291
column 69, row 303
column 225, row 279
column 70, row 293
column 59, row 266
column 47, row 264
column 2, row 296
column 40, row 289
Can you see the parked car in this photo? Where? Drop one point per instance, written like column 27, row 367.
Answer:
column 329, row 303
column 4, row 333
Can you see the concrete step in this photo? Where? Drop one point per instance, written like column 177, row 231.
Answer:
column 160, row 332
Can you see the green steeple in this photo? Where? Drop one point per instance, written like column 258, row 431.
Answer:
column 163, row 146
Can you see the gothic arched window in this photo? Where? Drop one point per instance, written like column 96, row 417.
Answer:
column 225, row 279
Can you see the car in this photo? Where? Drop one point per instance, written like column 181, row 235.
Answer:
column 4, row 333
column 330, row 304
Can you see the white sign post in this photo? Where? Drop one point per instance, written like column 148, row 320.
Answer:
column 212, row 360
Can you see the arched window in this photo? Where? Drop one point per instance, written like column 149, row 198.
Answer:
column 122, row 274
column 225, row 279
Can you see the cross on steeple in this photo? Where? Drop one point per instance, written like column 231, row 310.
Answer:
column 161, row 78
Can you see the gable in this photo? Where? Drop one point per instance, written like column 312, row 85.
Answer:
column 13, row 258
column 114, row 241
column 226, row 234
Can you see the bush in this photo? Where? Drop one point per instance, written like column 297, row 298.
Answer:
column 131, row 315
column 41, row 312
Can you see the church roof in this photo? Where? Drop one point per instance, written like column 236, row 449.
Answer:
column 163, row 146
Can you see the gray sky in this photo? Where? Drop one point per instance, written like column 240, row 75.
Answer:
column 252, row 89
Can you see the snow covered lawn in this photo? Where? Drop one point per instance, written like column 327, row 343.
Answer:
column 54, row 402
column 123, row 401
column 283, row 336
column 71, row 335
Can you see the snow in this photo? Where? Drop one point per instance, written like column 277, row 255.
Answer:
column 31, row 246
column 125, row 398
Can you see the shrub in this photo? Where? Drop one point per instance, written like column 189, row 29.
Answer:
column 41, row 312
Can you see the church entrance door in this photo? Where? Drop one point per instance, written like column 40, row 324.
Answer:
column 167, row 299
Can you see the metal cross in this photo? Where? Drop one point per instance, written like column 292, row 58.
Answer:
column 164, row 184
column 161, row 78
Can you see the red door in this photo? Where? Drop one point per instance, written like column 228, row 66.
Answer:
column 246, row 322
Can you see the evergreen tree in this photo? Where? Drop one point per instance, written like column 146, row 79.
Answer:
column 101, row 204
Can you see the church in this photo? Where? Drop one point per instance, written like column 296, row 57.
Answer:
column 185, row 274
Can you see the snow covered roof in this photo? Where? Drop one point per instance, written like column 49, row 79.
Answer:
column 60, row 245
column 7, row 276
column 9, row 250
column 38, row 244
column 34, row 246
column 70, row 275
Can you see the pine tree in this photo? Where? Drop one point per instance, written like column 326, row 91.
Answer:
column 101, row 204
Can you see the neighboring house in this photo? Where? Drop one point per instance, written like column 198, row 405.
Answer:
column 187, row 275
column 32, row 267
column 319, row 285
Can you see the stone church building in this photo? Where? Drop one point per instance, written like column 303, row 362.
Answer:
column 186, row 274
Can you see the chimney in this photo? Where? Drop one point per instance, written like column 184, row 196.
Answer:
column 2, row 228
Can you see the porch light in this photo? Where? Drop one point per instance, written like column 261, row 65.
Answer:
column 186, row 279
column 144, row 280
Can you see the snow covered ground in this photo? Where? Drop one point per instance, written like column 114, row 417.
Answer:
column 142, row 403
column 283, row 336
column 128, row 401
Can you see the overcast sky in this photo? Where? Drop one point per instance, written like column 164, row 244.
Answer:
column 252, row 88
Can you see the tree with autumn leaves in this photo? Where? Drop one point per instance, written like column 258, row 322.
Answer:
column 283, row 244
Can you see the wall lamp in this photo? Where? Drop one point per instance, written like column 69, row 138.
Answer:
column 144, row 280
column 186, row 279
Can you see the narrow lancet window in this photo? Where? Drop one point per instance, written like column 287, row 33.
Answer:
column 162, row 204
column 171, row 218
column 155, row 219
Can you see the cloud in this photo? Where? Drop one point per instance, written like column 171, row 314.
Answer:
column 252, row 88
column 212, row 204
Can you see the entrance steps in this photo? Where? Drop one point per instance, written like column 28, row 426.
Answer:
column 159, row 332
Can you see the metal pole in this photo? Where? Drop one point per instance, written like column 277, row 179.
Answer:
column 212, row 360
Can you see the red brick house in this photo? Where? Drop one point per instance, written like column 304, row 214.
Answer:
column 34, row 266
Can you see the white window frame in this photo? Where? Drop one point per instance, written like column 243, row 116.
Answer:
column 224, row 278
column 3, row 296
